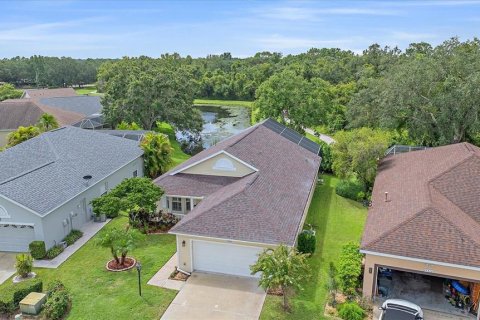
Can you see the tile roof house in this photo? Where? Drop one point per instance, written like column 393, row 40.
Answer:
column 249, row 192
column 425, row 215
column 43, row 192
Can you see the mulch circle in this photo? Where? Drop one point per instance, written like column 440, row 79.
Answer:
column 275, row 291
column 114, row 267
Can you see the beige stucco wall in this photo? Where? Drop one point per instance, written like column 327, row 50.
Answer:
column 184, row 253
column 206, row 168
column 434, row 269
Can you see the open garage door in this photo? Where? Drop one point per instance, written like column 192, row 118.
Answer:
column 224, row 258
column 15, row 238
column 436, row 293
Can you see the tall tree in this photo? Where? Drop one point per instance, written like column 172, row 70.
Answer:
column 356, row 153
column 145, row 91
column 157, row 153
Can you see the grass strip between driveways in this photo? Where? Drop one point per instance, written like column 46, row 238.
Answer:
column 337, row 221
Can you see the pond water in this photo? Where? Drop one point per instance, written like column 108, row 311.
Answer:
column 219, row 123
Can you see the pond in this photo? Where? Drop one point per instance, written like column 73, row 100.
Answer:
column 219, row 123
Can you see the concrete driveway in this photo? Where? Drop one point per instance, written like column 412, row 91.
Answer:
column 214, row 296
column 7, row 262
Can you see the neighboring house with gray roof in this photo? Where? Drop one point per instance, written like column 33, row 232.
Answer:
column 43, row 190
column 86, row 105
column 249, row 192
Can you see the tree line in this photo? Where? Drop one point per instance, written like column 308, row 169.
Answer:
column 40, row 71
column 424, row 95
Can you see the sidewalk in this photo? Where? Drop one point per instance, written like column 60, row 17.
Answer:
column 88, row 230
column 160, row 279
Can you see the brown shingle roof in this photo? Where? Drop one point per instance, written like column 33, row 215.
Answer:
column 49, row 93
column 266, row 206
column 26, row 112
column 16, row 113
column 432, row 212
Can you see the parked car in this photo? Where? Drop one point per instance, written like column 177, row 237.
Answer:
column 397, row 309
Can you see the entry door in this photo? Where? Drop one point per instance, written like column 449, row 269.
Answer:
column 224, row 258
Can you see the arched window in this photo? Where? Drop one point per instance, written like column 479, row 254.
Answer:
column 224, row 164
column 3, row 213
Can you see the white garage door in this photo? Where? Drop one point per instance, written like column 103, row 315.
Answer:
column 15, row 239
column 224, row 258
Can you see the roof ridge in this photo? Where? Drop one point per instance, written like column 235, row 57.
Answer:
column 253, row 128
column 395, row 228
column 26, row 172
column 456, row 164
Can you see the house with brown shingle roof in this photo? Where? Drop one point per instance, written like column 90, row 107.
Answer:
column 247, row 193
column 26, row 112
column 425, row 217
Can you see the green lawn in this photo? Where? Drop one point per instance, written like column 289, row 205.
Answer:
column 229, row 103
column 337, row 221
column 100, row 294
column 90, row 90
column 178, row 155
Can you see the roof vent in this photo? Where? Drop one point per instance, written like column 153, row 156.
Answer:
column 386, row 197
column 87, row 179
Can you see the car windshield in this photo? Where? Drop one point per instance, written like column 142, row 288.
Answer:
column 394, row 314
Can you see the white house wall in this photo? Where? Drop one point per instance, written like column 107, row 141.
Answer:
column 53, row 224
column 21, row 215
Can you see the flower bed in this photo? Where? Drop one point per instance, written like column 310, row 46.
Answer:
column 113, row 266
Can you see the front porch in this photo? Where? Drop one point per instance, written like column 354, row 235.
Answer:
column 179, row 205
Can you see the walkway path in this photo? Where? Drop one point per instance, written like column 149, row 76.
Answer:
column 89, row 230
column 323, row 137
column 160, row 279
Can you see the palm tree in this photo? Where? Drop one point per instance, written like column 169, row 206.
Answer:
column 47, row 122
column 157, row 153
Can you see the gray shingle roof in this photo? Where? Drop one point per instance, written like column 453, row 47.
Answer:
column 266, row 206
column 86, row 105
column 46, row 171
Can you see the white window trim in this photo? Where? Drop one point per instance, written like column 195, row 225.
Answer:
column 211, row 156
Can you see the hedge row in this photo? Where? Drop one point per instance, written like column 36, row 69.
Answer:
column 10, row 299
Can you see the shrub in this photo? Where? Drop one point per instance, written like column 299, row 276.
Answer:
column 306, row 242
column 73, row 236
column 37, row 249
column 54, row 251
column 168, row 220
column 327, row 160
column 349, row 189
column 108, row 205
column 351, row 311
column 57, row 305
column 350, row 268
column 55, row 285
column 24, row 264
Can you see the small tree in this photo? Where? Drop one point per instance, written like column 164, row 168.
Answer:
column 8, row 91
column 24, row 264
column 284, row 268
column 350, row 268
column 47, row 122
column 120, row 242
column 157, row 153
column 21, row 134
column 138, row 193
column 128, row 126
column 108, row 205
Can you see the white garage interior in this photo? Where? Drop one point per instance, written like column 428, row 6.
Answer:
column 224, row 257
column 16, row 237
